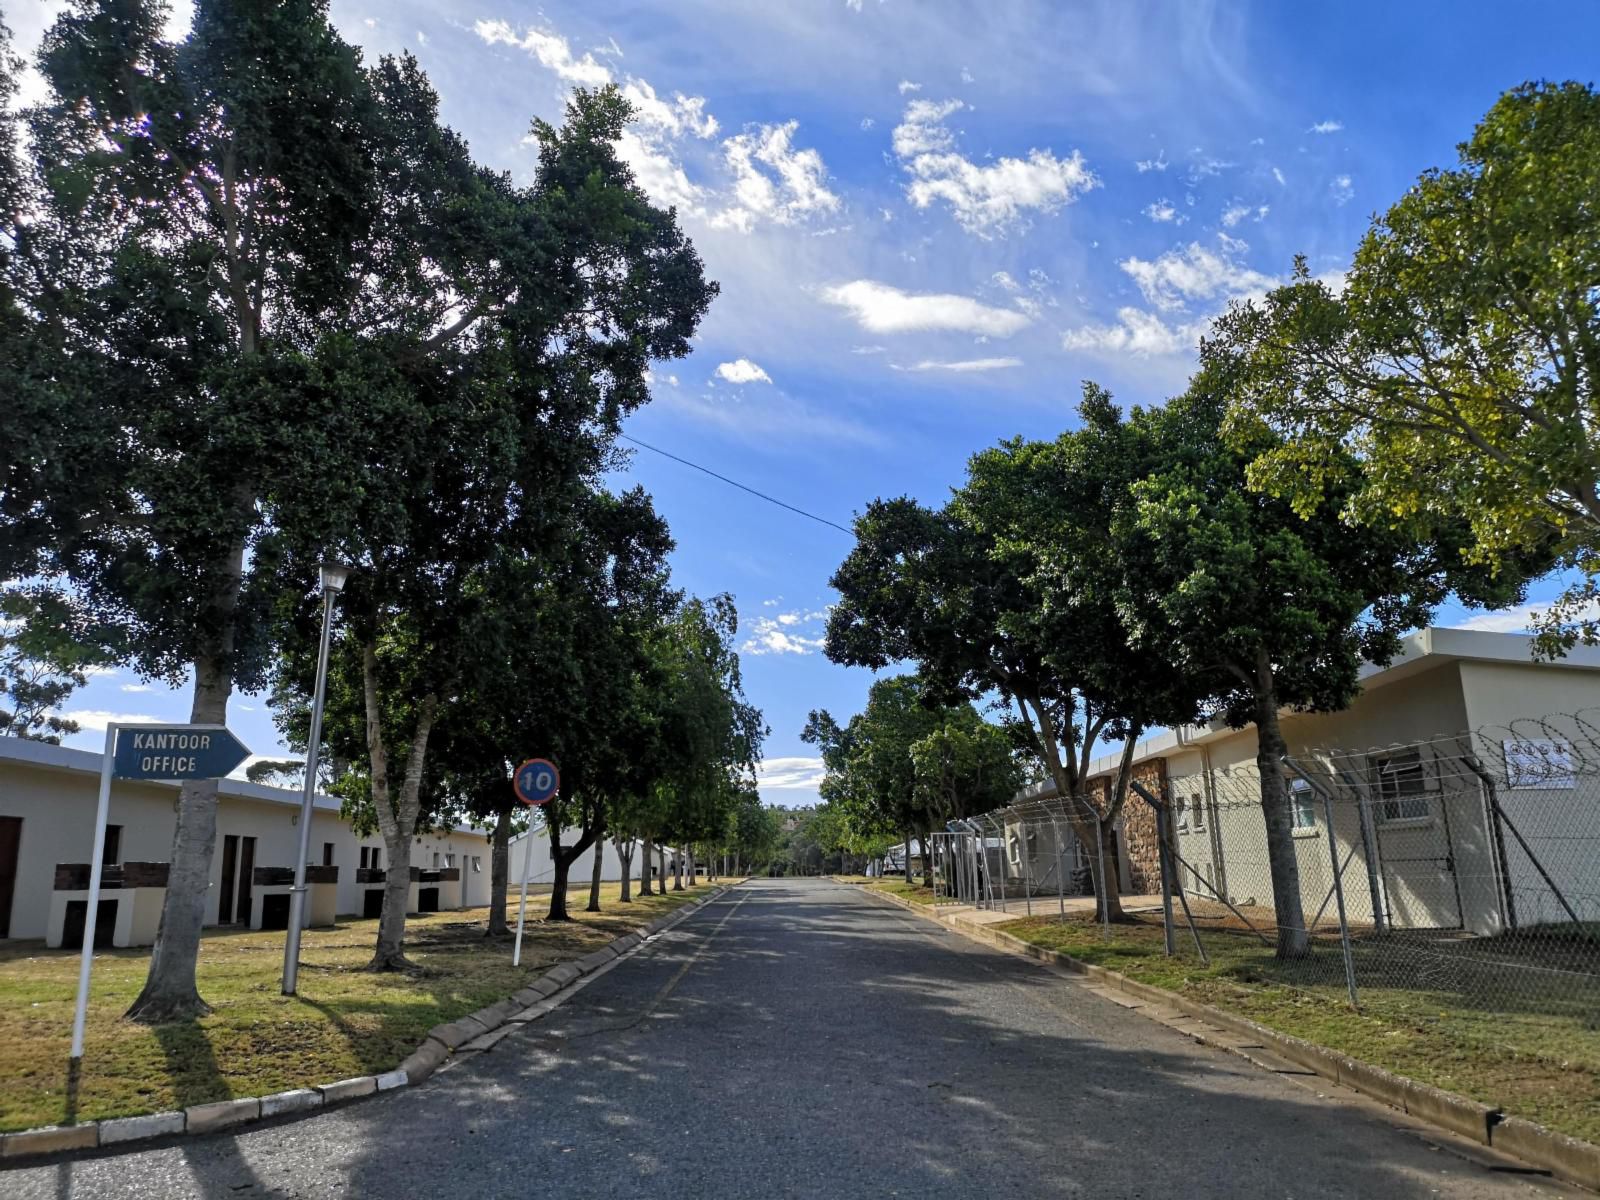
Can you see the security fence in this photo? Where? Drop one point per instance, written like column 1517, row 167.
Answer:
column 1463, row 871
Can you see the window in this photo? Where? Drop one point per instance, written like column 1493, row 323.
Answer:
column 1198, row 819
column 449, row 860
column 477, row 865
column 1402, row 787
column 327, row 854
column 111, row 854
column 369, row 856
column 435, row 860
column 1302, row 804
column 1180, row 816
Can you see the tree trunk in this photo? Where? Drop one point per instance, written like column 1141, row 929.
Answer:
column 692, row 866
column 625, row 859
column 661, row 864
column 170, row 993
column 646, row 865
column 397, row 815
column 1293, row 941
column 499, row 870
column 677, row 869
column 595, row 872
column 558, row 885
column 1108, row 906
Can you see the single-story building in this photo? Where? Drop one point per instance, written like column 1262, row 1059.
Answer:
column 47, row 814
column 1423, row 839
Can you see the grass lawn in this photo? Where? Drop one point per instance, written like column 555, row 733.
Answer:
column 1537, row 1058
column 345, row 1021
column 913, row 892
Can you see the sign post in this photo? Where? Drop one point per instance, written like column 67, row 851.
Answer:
column 176, row 752
column 536, row 783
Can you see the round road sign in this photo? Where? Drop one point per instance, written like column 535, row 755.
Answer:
column 536, row 781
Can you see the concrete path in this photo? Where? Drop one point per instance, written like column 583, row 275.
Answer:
column 798, row 1038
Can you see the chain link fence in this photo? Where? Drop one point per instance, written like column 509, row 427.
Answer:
column 1459, row 873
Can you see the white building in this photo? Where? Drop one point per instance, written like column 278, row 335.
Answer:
column 47, row 811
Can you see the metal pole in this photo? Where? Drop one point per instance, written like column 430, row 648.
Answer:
column 1102, row 891
column 522, row 905
column 1004, row 858
column 1166, row 884
column 81, row 1010
column 1061, row 884
column 1338, row 891
column 297, row 896
column 1027, row 873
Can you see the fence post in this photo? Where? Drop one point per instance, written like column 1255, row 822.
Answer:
column 1102, row 890
column 1161, row 859
column 1338, row 892
column 1061, row 886
column 1004, row 858
column 1026, row 855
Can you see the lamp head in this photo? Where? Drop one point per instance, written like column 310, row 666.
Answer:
column 333, row 575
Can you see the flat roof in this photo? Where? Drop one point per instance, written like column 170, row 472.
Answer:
column 71, row 761
column 1421, row 651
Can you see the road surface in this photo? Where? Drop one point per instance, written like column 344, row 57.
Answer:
column 797, row 1038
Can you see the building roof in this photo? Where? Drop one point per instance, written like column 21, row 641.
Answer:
column 70, row 761
column 1421, row 651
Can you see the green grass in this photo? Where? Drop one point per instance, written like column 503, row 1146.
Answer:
column 1463, row 1030
column 345, row 1021
column 913, row 892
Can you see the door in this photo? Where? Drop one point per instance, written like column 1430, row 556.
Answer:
column 10, row 844
column 247, row 870
column 230, row 862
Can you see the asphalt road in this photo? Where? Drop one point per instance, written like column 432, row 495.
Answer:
column 796, row 1038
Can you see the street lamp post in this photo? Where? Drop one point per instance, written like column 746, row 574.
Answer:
column 333, row 576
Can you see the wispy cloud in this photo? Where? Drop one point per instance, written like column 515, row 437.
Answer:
column 986, row 199
column 550, row 49
column 963, row 365
column 1163, row 211
column 773, row 180
column 882, row 308
column 1194, row 272
column 1326, row 127
column 98, row 718
column 1343, row 189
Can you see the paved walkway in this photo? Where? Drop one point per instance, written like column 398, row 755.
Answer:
column 798, row 1038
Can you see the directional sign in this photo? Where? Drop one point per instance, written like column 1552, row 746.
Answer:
column 176, row 752
column 537, row 781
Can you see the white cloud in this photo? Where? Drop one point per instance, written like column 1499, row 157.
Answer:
column 1343, row 189
column 867, row 122
column 880, row 308
column 1236, row 213
column 1158, row 163
column 659, row 173
column 768, row 637
column 137, row 687
column 773, row 180
column 792, row 773
column 966, row 76
column 907, row 86
column 550, row 49
column 1326, row 127
column 985, row 199
column 1162, row 211
column 98, row 718
column 1004, row 279
column 964, row 365
column 742, row 370
column 1519, row 619
column 683, row 115
column 1138, row 333
column 1194, row 273
column 1278, row 175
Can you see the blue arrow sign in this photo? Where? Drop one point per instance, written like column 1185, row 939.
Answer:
column 176, row 752
column 536, row 781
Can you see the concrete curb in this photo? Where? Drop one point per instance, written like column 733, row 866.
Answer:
column 1567, row 1158
column 467, row 1035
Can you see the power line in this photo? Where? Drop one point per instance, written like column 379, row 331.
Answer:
column 742, row 487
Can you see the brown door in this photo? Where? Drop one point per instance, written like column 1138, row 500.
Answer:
column 10, row 843
column 230, row 861
column 247, row 870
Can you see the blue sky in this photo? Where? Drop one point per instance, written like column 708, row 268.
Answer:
column 932, row 221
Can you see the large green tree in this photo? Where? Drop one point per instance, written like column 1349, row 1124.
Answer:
column 1459, row 361
column 1262, row 608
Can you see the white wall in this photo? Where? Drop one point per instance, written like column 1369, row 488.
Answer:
column 55, row 795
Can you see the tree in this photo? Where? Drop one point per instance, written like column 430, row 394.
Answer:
column 1012, row 592
column 1265, row 609
column 1459, row 363
column 193, row 246
column 40, row 668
